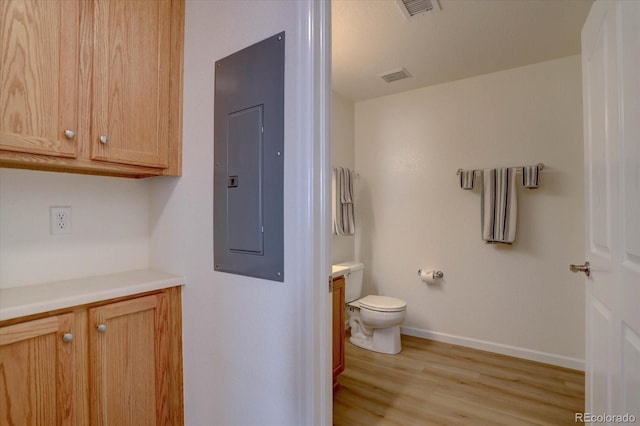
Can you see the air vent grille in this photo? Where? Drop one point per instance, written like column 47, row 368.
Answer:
column 395, row 75
column 411, row 8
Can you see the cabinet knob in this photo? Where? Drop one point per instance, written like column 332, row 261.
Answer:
column 101, row 328
column 70, row 134
column 67, row 337
column 104, row 139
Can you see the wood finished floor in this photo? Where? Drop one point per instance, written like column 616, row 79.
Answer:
column 433, row 383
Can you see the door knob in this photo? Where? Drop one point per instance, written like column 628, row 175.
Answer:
column 101, row 328
column 67, row 337
column 104, row 139
column 586, row 268
column 69, row 134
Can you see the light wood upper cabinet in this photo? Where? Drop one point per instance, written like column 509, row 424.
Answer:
column 129, row 362
column 131, row 82
column 110, row 71
column 37, row 366
column 39, row 68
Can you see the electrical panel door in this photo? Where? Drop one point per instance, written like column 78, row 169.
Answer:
column 249, row 160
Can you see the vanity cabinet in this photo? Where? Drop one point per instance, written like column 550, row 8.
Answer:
column 92, row 86
column 338, row 328
column 121, row 366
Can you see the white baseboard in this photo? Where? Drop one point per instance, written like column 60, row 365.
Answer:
column 545, row 357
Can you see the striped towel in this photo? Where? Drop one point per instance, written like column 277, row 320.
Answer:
column 467, row 179
column 346, row 191
column 499, row 205
column 342, row 202
column 531, row 177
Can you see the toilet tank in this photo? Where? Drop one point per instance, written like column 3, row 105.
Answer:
column 353, row 280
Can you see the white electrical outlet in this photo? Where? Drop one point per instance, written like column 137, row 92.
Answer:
column 60, row 220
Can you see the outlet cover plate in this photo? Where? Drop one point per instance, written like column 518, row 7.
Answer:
column 60, row 220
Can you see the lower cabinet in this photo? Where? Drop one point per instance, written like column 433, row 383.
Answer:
column 338, row 329
column 128, row 364
column 114, row 364
column 37, row 362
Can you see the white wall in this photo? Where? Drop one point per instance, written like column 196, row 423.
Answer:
column 412, row 213
column 342, row 154
column 110, row 226
column 242, row 339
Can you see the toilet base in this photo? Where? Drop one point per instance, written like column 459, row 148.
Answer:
column 382, row 340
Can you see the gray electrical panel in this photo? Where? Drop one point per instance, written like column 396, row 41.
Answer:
column 248, row 199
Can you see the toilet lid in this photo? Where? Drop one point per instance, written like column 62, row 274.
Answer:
column 382, row 303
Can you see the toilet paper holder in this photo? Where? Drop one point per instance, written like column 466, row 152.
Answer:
column 436, row 274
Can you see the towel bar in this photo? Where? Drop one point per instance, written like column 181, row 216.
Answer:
column 540, row 165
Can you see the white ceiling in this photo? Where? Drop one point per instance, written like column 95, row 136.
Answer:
column 464, row 39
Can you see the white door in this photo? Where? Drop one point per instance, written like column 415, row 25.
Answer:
column 611, row 98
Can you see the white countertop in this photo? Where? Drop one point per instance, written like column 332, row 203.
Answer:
column 34, row 299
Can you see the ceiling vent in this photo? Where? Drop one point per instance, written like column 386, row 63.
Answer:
column 412, row 8
column 395, row 75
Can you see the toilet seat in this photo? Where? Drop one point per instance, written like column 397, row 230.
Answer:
column 382, row 303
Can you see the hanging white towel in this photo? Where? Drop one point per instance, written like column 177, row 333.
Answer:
column 499, row 205
column 342, row 202
column 347, row 186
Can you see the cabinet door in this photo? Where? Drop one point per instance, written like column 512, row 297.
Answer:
column 129, row 362
column 131, row 82
column 338, row 329
column 39, row 58
column 37, row 372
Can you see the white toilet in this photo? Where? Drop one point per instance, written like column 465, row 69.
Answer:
column 374, row 320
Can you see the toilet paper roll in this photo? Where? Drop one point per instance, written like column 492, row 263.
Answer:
column 427, row 276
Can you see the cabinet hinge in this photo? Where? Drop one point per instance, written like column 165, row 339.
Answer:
column 330, row 284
